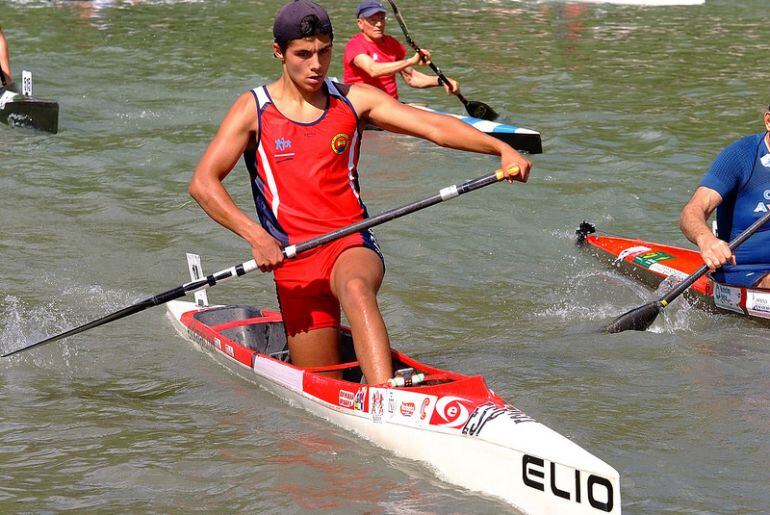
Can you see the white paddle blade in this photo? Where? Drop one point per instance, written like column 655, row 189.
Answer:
column 196, row 272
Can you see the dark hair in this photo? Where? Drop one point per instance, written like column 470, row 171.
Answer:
column 309, row 26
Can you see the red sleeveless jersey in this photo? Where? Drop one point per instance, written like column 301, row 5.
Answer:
column 304, row 176
column 387, row 50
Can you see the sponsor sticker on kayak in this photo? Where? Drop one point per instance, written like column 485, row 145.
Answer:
column 631, row 251
column 589, row 493
column 668, row 271
column 378, row 404
column 278, row 372
column 401, row 407
column 346, row 399
column 359, row 401
column 485, row 415
column 647, row 259
column 758, row 303
column 727, row 297
column 451, row 412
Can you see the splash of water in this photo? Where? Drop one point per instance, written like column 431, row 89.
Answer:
column 23, row 324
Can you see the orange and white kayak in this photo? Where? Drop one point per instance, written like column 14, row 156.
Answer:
column 652, row 263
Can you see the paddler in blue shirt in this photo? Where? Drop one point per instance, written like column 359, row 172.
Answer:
column 5, row 62
column 738, row 186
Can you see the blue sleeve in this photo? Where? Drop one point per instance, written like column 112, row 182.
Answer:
column 731, row 167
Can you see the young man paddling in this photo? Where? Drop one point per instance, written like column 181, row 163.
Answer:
column 738, row 186
column 372, row 57
column 300, row 137
column 5, row 62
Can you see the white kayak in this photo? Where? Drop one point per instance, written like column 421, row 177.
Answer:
column 469, row 435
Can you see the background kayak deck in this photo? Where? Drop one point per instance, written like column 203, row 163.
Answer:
column 520, row 138
column 28, row 112
column 652, row 263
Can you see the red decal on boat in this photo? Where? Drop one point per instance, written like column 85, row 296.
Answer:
column 407, row 408
column 424, row 408
column 347, row 399
column 377, row 410
column 359, row 404
column 450, row 412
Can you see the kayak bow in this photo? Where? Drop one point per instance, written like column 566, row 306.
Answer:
column 453, row 422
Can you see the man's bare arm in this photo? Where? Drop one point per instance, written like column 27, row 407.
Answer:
column 694, row 224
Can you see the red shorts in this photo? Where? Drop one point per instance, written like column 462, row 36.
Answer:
column 303, row 284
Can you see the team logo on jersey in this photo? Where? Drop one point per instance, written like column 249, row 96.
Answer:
column 761, row 206
column 340, row 143
column 282, row 144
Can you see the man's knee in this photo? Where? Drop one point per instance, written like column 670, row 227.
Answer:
column 357, row 290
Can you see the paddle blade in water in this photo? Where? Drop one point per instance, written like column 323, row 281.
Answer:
column 638, row 319
column 481, row 110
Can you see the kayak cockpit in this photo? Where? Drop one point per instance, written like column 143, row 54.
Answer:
column 250, row 327
column 262, row 331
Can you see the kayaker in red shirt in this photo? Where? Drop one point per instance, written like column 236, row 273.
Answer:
column 300, row 136
column 5, row 63
column 374, row 58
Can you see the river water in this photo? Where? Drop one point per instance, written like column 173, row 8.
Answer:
column 633, row 104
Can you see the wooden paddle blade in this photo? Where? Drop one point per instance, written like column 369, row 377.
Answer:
column 638, row 319
column 481, row 110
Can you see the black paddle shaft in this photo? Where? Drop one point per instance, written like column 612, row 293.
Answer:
column 474, row 108
column 639, row 319
column 398, row 212
column 417, row 49
column 742, row 237
column 290, row 251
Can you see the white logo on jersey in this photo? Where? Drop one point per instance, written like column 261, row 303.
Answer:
column 765, row 160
